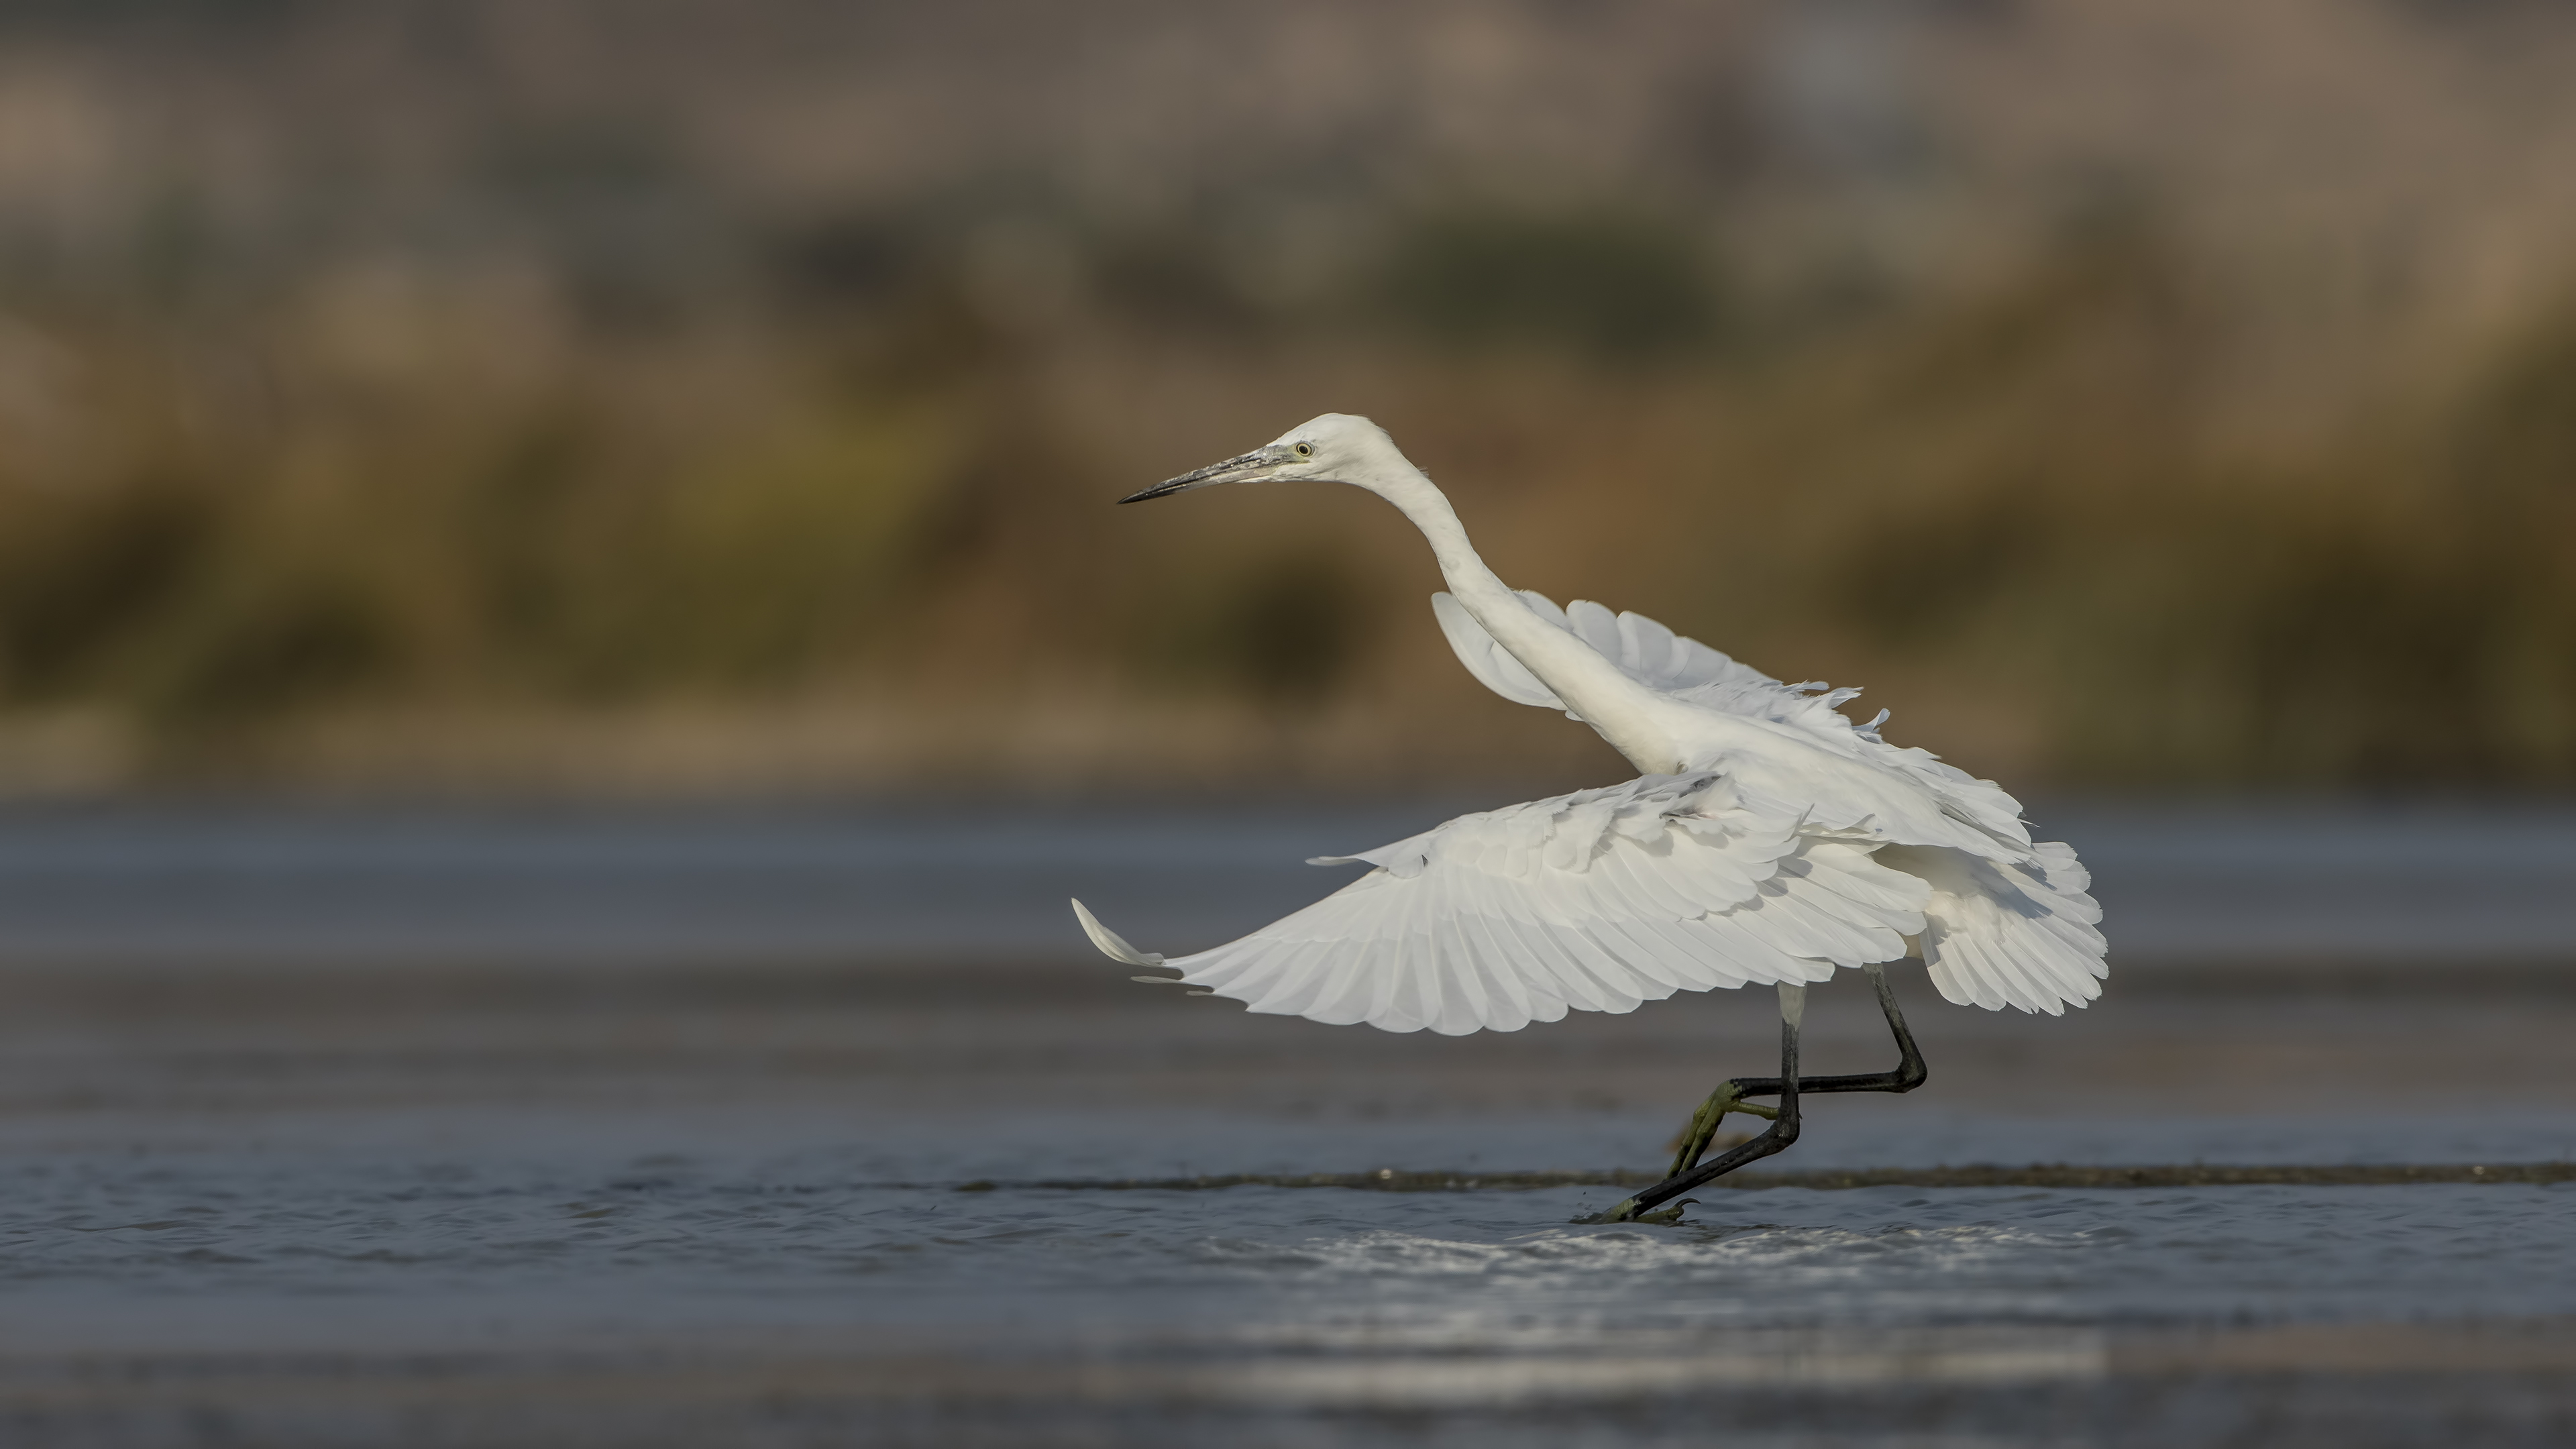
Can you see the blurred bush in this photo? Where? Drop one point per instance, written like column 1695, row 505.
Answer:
column 330, row 397
column 1614, row 286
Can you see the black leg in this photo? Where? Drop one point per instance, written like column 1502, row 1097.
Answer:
column 1908, row 1074
column 1782, row 1131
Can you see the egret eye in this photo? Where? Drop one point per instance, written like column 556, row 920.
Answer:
column 1303, row 450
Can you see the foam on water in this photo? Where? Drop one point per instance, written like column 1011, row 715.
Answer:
column 299, row 1243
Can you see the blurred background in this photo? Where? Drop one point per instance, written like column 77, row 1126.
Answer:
column 566, row 395
column 563, row 642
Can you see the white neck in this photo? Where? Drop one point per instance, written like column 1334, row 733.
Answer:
column 1625, row 712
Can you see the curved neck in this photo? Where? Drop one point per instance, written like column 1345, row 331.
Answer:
column 1622, row 710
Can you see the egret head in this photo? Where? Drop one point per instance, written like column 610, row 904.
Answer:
column 1334, row 448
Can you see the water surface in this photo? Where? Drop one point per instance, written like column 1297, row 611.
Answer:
column 581, row 1171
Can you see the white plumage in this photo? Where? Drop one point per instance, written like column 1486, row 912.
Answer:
column 1770, row 840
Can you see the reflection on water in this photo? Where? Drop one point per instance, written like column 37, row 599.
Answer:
column 644, row 1129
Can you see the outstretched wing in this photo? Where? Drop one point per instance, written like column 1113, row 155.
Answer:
column 1693, row 672
column 1594, row 901
column 1643, row 649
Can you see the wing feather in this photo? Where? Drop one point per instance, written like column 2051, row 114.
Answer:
column 1829, row 929
column 1465, row 1005
column 1932, row 802
column 1642, row 648
column 1612, row 986
column 2026, row 958
column 1298, row 992
column 1385, row 1011
column 1356, row 993
column 1765, row 963
column 1492, row 664
column 1603, row 899
column 1259, row 971
column 1599, row 900
column 2022, row 933
column 1525, row 968
column 1659, row 974
column 1960, row 971
column 1562, row 972
column 1341, row 968
column 1709, row 966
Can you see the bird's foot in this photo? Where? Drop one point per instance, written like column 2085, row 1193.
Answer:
column 1626, row 1212
column 1694, row 1141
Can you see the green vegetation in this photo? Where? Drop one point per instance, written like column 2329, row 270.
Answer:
column 2015, row 503
column 2139, row 397
column 1615, row 286
column 2396, row 605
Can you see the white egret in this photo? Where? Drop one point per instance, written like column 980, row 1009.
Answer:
column 1767, row 840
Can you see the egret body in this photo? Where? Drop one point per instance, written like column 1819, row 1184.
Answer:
column 1767, row 840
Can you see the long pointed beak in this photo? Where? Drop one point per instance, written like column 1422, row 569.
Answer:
column 1232, row 470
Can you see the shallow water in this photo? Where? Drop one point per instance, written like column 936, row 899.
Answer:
column 423, row 1253
column 284, row 1195
column 514, row 1287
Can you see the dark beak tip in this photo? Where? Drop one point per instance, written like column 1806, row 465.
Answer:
column 1212, row 473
